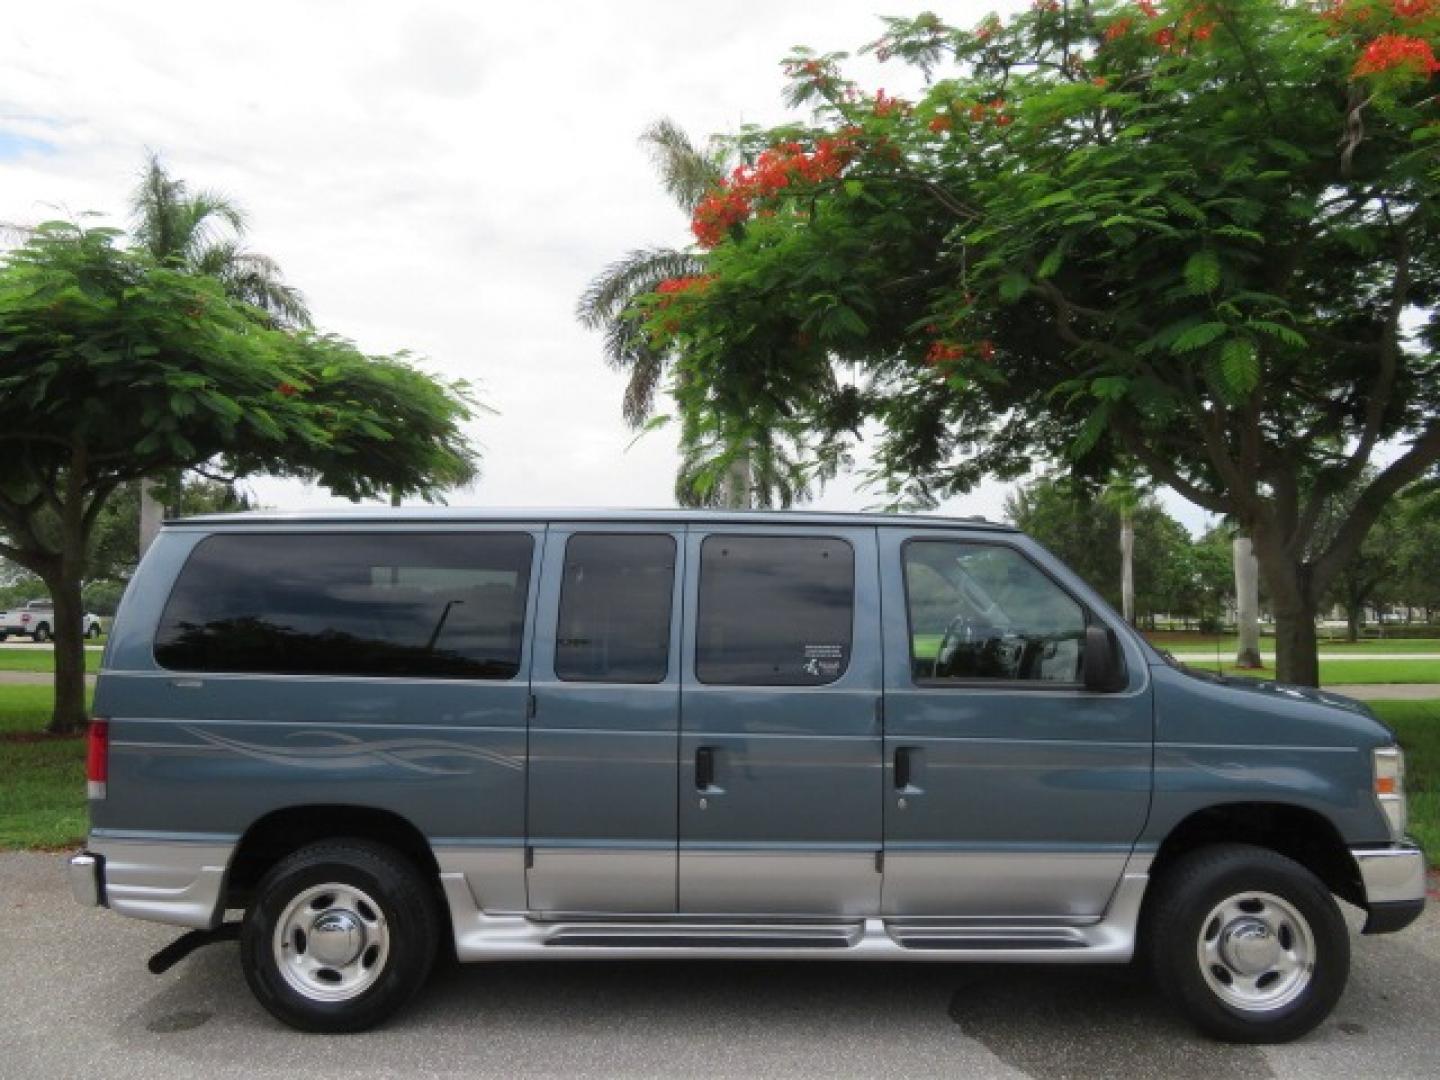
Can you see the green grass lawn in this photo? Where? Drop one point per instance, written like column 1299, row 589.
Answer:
column 41, row 659
column 1338, row 673
column 1341, row 672
column 1177, row 641
column 1417, row 726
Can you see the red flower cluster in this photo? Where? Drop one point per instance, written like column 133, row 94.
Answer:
column 1390, row 52
column 1119, row 28
column 994, row 110
column 944, row 352
column 285, row 389
column 1148, row 9
column 775, row 169
column 671, row 288
column 940, row 124
column 890, row 106
column 1411, row 10
column 716, row 213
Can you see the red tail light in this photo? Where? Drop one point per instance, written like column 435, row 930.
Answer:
column 97, row 759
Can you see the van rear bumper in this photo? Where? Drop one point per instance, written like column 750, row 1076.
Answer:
column 170, row 881
column 1394, row 880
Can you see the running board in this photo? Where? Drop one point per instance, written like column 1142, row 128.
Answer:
column 480, row 936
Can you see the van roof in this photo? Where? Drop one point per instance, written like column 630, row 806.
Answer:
column 459, row 514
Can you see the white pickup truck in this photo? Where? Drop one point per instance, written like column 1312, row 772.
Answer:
column 37, row 620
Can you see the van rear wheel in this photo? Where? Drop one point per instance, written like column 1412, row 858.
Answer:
column 340, row 936
column 1249, row 944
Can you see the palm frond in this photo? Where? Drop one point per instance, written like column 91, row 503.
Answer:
column 686, row 172
column 611, row 291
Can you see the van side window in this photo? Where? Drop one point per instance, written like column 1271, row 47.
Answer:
column 615, row 604
column 774, row 611
column 985, row 611
column 426, row 605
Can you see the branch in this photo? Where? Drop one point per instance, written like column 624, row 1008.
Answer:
column 1424, row 452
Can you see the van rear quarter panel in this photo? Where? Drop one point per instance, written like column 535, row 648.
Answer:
column 197, row 755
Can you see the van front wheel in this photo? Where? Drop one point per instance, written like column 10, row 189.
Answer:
column 340, row 936
column 1248, row 943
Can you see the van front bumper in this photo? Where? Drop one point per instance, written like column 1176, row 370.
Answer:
column 1394, row 881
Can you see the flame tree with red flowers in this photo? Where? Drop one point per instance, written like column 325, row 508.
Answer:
column 1202, row 235
column 737, row 458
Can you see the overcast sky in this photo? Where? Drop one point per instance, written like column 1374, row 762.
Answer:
column 443, row 178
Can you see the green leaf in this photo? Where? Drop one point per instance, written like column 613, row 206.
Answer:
column 1240, row 365
column 1198, row 336
column 1110, row 387
column 1202, row 272
column 1279, row 331
column 1055, row 198
column 1013, row 286
column 1052, row 262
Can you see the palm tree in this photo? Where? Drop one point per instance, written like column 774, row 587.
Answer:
column 1124, row 493
column 203, row 233
column 763, row 466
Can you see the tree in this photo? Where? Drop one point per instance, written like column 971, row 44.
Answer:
column 1418, row 551
column 114, row 368
column 1367, row 577
column 735, row 459
column 1195, row 235
column 1124, row 494
column 203, row 233
column 1080, row 526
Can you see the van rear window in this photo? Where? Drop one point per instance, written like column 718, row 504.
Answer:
column 422, row 605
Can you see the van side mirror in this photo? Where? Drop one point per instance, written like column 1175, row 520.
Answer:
column 1102, row 665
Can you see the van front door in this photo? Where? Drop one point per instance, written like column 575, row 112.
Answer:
column 1011, row 790
column 780, row 745
column 601, row 821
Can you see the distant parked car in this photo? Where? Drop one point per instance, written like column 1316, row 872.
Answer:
column 37, row 620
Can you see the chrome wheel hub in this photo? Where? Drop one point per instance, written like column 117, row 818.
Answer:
column 1256, row 951
column 331, row 942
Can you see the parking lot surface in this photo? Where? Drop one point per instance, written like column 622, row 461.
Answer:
column 78, row 1002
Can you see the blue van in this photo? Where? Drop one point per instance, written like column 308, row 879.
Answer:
column 526, row 735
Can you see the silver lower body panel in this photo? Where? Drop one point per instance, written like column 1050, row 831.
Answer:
column 169, row 881
column 482, row 936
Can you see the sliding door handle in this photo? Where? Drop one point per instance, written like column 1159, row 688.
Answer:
column 704, row 768
column 904, row 767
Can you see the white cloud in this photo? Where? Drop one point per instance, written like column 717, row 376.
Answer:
column 438, row 177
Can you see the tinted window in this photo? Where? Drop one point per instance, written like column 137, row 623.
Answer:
column 433, row 605
column 615, row 609
column 774, row 611
column 982, row 611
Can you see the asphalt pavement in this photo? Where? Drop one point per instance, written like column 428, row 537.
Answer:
column 78, row 1002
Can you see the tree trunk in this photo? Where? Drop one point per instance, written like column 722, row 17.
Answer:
column 1127, row 567
column 70, row 715
column 1247, row 603
column 737, row 494
column 152, row 513
column 1296, row 659
column 1352, row 622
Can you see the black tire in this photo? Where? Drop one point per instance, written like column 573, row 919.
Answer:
column 42, row 634
column 1192, row 889
column 411, row 926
